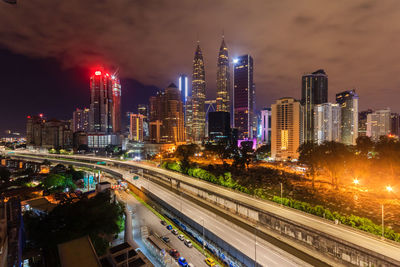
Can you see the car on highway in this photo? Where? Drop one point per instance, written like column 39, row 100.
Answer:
column 188, row 243
column 174, row 253
column 182, row 262
column 163, row 222
column 210, row 262
column 175, row 232
column 181, row 237
column 165, row 239
column 169, row 227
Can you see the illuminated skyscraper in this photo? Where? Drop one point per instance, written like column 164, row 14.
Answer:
column 105, row 103
column 348, row 101
column 314, row 91
column 136, row 130
column 183, row 87
column 223, row 80
column 326, row 123
column 285, row 128
column 198, row 98
column 378, row 124
column 244, row 97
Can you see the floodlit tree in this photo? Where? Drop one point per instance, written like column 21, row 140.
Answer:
column 184, row 152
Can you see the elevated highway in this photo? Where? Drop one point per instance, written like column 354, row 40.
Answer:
column 314, row 236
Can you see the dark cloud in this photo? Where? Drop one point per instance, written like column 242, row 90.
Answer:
column 357, row 42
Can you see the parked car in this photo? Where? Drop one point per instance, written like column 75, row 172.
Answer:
column 165, row 239
column 169, row 227
column 174, row 231
column 210, row 262
column 163, row 222
column 181, row 237
column 174, row 253
column 190, row 264
column 188, row 243
column 182, row 262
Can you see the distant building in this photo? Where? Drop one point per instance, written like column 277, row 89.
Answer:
column 395, row 124
column 314, row 91
column 166, row 117
column 80, row 120
column 378, row 124
column 136, row 132
column 348, row 101
column 223, row 79
column 285, row 128
column 210, row 106
column 266, row 126
column 244, row 97
column 219, row 126
column 362, row 122
column 144, row 110
column 326, row 123
column 198, row 116
column 183, row 87
column 48, row 134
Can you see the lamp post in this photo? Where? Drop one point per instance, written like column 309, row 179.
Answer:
column 389, row 189
column 203, row 235
column 255, row 245
column 281, row 194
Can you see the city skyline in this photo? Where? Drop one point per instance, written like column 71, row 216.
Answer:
column 343, row 64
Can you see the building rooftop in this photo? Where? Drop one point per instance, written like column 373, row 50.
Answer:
column 78, row 252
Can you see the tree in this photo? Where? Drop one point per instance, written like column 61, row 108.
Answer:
column 364, row 145
column 5, row 174
column 263, row 151
column 184, row 152
column 97, row 217
column 309, row 155
column 83, row 147
column 46, row 162
column 333, row 156
column 58, row 183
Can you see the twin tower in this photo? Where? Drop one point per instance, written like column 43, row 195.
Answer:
column 195, row 104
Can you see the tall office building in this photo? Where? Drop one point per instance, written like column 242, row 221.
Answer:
column 166, row 116
column 136, row 129
column 314, row 91
column 105, row 103
column 116, row 110
column 198, row 98
column 223, row 79
column 34, row 125
column 143, row 109
column 326, row 123
column 348, row 101
column 378, row 124
column 395, row 124
column 362, row 122
column 266, row 126
column 285, row 128
column 219, row 126
column 244, row 97
column 80, row 120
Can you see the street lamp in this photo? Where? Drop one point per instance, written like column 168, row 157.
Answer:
column 203, row 235
column 281, row 194
column 255, row 245
column 389, row 189
column 356, row 181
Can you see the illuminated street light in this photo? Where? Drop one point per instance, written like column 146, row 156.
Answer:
column 235, row 60
column 356, row 181
column 389, row 188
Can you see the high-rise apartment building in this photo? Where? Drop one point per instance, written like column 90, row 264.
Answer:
column 219, row 126
column 378, row 124
column 244, row 97
column 362, row 122
column 166, row 116
column 198, row 98
column 266, row 126
column 314, row 91
column 105, row 103
column 326, row 123
column 348, row 101
column 80, row 120
column 223, row 79
column 144, row 110
column 395, row 124
column 136, row 129
column 285, row 128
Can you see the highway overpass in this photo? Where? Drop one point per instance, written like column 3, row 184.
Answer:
column 322, row 239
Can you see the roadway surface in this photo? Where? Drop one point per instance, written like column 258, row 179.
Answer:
column 358, row 238
column 144, row 217
column 244, row 241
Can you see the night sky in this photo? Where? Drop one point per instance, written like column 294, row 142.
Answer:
column 48, row 48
